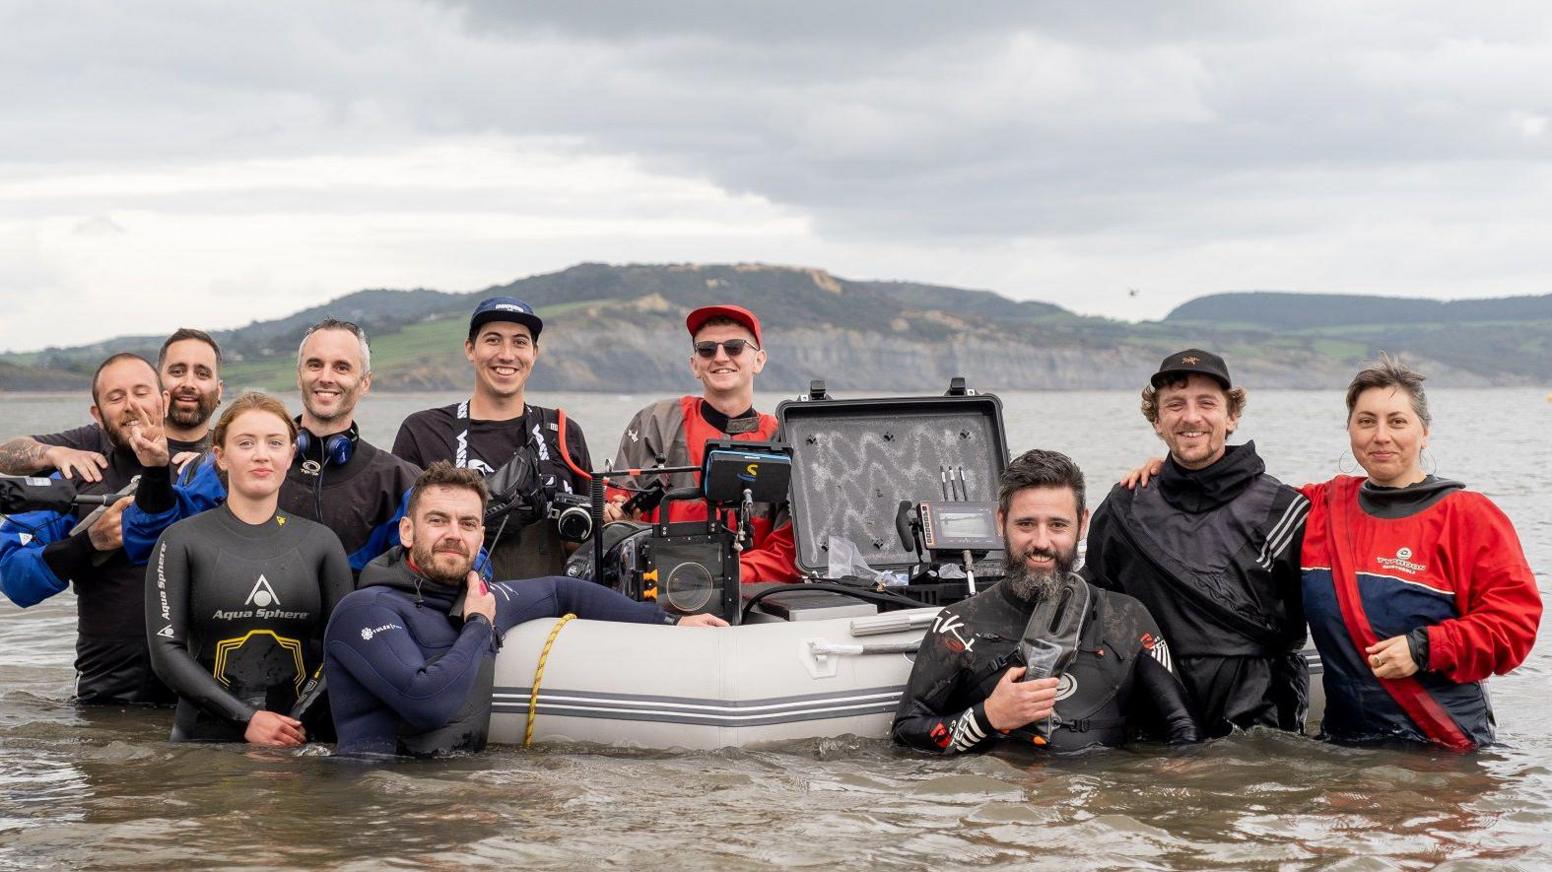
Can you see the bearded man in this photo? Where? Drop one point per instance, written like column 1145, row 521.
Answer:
column 43, row 552
column 1108, row 677
column 410, row 655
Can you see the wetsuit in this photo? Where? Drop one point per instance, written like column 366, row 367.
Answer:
column 1213, row 554
column 676, row 432
column 361, row 500
column 448, row 433
column 235, row 614
column 408, row 675
column 39, row 558
column 1120, row 683
column 1436, row 563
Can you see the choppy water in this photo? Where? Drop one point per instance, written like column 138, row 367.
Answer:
column 104, row 789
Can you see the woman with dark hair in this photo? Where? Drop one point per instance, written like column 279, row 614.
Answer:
column 1415, row 589
column 237, row 597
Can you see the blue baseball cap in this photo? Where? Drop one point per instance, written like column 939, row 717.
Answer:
column 505, row 309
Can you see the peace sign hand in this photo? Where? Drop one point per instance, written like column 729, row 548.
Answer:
column 148, row 439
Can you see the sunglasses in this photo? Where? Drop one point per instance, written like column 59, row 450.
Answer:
column 733, row 347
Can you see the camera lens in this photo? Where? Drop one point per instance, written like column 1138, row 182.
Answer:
column 574, row 524
column 688, row 588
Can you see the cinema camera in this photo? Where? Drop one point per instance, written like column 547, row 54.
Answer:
column 688, row 567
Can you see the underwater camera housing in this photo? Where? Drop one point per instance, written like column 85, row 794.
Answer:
column 690, row 567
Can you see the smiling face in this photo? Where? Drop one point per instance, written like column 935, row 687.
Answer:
column 191, row 377
column 125, row 391
column 444, row 532
column 255, row 452
column 503, row 355
column 332, row 377
column 1041, row 529
column 723, row 373
column 1194, row 420
column 1387, row 436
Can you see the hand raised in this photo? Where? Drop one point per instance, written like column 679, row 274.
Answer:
column 148, row 439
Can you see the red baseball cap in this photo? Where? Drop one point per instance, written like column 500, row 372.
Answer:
column 699, row 317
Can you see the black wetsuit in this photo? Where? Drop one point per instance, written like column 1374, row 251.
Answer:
column 448, row 433
column 235, row 615
column 408, row 675
column 1214, row 555
column 1120, row 683
column 111, row 663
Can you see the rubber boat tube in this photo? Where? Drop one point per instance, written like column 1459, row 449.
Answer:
column 647, row 686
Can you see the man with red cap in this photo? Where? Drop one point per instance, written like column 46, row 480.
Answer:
column 726, row 354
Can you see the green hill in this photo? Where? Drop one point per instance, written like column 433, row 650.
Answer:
column 620, row 328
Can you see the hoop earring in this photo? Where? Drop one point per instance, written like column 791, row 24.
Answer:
column 1342, row 465
column 1426, row 460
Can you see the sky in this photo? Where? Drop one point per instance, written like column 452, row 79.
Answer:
column 209, row 164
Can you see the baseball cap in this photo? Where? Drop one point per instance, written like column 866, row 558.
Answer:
column 1193, row 360
column 699, row 317
column 505, row 309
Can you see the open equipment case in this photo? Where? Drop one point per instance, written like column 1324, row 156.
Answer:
column 861, row 470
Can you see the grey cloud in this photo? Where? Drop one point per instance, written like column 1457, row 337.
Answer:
column 882, row 120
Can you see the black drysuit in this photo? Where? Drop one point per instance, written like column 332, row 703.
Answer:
column 1214, row 555
column 1119, row 685
column 235, row 614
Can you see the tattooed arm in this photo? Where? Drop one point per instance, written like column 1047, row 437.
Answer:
column 26, row 456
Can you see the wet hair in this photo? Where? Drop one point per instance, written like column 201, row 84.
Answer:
column 350, row 327
column 1389, row 372
column 1040, row 468
column 444, row 474
column 123, row 355
column 1237, row 397
column 181, row 334
column 252, row 401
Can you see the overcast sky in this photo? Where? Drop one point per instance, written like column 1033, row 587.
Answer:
column 208, row 164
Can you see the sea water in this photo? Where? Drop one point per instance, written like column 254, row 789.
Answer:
column 93, row 788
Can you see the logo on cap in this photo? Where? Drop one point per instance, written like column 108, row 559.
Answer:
column 1189, row 361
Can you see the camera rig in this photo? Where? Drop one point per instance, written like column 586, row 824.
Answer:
column 690, row 566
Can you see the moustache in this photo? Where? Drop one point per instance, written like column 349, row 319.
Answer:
column 1047, row 553
column 451, row 549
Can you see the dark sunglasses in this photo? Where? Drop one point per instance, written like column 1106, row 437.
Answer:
column 734, row 347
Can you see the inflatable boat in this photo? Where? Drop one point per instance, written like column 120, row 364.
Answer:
column 645, row 686
column 663, row 687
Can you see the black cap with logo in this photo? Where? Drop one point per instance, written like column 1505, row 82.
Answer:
column 1192, row 360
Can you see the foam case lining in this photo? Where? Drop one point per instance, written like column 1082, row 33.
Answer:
column 854, row 460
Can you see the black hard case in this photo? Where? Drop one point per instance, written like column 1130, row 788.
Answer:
column 854, row 460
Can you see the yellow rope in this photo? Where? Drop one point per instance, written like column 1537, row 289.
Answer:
column 533, row 694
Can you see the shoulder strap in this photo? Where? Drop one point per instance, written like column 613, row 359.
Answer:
column 1409, row 693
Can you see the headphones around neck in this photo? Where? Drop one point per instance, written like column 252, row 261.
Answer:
column 337, row 448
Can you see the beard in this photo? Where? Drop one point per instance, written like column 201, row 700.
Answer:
column 1031, row 585
column 118, row 431
column 204, row 407
column 439, row 562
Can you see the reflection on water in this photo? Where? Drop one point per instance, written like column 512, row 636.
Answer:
column 103, row 789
